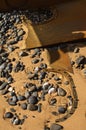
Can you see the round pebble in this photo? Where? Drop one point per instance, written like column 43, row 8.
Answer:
column 24, row 106
column 32, row 100
column 62, row 109
column 8, row 115
column 56, row 127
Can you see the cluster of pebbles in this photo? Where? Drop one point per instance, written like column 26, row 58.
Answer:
column 79, row 60
column 40, row 85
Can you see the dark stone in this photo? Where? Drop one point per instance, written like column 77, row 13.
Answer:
column 56, row 127
column 8, row 115
column 3, row 85
column 24, row 106
column 21, row 97
column 35, row 61
column 21, row 32
column 62, row 109
column 76, row 50
column 80, row 60
column 39, row 107
column 61, row 92
column 32, row 107
column 16, row 121
column 27, row 94
column 23, row 53
column 52, row 101
column 12, row 110
column 32, row 100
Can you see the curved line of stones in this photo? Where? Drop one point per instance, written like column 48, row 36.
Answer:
column 74, row 93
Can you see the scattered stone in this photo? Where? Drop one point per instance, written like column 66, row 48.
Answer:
column 61, row 92
column 62, row 109
column 3, row 85
column 66, row 83
column 56, row 127
column 21, row 97
column 39, row 107
column 32, row 107
column 80, row 60
column 76, row 50
column 52, row 101
column 32, row 100
column 16, row 121
column 35, row 61
column 23, row 53
column 51, row 90
column 12, row 110
column 24, row 106
column 8, row 115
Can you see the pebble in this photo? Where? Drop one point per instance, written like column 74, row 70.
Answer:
column 27, row 94
column 24, row 106
column 16, row 121
column 32, row 88
column 4, row 91
column 12, row 110
column 61, row 92
column 3, row 85
column 35, row 61
column 23, row 53
column 21, row 32
column 52, row 101
column 62, row 109
column 80, row 60
column 32, row 100
column 35, row 94
column 32, row 107
column 66, row 83
column 21, row 97
column 46, row 85
column 43, row 66
column 51, row 90
column 42, row 75
column 56, row 127
column 76, row 50
column 39, row 107
column 8, row 115
column 46, row 128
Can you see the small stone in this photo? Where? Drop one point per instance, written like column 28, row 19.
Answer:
column 8, row 115
column 27, row 94
column 56, row 127
column 32, row 100
column 66, row 83
column 45, row 85
column 46, row 128
column 21, row 97
column 80, row 60
column 32, row 107
column 23, row 53
column 61, row 92
column 76, row 50
column 62, row 109
column 52, row 101
column 3, row 85
column 12, row 110
column 39, row 107
column 16, row 121
column 24, row 106
column 20, row 33
column 35, row 61
column 51, row 90
column 35, row 94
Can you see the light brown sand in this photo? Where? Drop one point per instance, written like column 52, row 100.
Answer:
column 76, row 122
